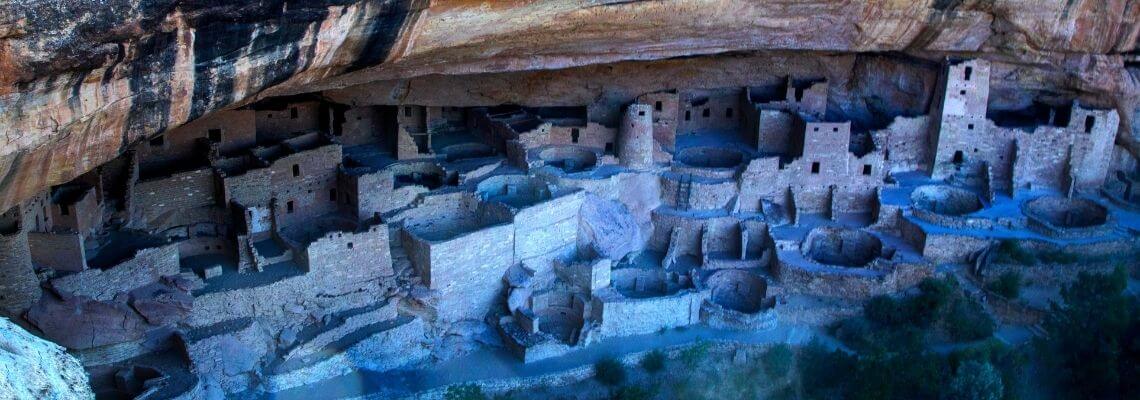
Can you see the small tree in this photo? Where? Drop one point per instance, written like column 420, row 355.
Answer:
column 778, row 361
column 467, row 391
column 1007, row 285
column 609, row 372
column 653, row 362
column 975, row 380
column 1091, row 338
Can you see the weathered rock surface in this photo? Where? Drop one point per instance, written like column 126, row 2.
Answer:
column 607, row 228
column 82, row 79
column 34, row 368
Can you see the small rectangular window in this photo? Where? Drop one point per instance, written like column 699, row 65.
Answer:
column 158, row 141
column 641, row 113
column 214, row 135
column 574, row 135
column 815, row 167
column 962, row 92
column 296, row 170
column 1090, row 122
column 688, row 115
column 970, row 127
column 969, row 71
column 866, row 169
column 610, row 147
column 657, row 106
column 289, row 207
column 705, row 113
column 350, row 245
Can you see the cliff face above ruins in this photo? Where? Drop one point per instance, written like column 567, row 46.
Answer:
column 80, row 80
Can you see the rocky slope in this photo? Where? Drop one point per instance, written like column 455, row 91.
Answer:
column 34, row 368
column 82, row 79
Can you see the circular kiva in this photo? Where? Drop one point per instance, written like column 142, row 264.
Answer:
column 842, row 247
column 710, row 157
column 945, row 200
column 1067, row 213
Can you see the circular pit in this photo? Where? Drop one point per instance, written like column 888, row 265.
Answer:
column 842, row 247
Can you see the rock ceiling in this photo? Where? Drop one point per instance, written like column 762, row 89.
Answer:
column 80, row 80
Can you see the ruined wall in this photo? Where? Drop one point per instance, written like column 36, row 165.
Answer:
column 710, row 110
column 284, row 123
column 304, row 178
column 19, row 286
column 548, row 229
column 625, row 317
column 635, row 137
column 145, row 267
column 156, row 203
column 1090, row 163
column 362, row 125
column 665, row 109
column 905, row 144
column 230, row 130
column 468, row 271
column 351, row 256
column 1043, row 159
column 58, row 251
column 774, row 131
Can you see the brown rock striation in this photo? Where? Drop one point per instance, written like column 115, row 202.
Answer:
column 80, row 80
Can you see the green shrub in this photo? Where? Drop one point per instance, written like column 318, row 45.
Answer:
column 694, row 354
column 653, row 362
column 1057, row 257
column 825, row 373
column 1011, row 252
column 778, row 361
column 609, row 372
column 464, row 392
column 967, row 321
column 633, row 393
column 925, row 308
column 1007, row 285
column 883, row 310
column 975, row 381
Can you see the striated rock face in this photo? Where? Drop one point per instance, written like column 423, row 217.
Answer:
column 82, row 79
column 34, row 368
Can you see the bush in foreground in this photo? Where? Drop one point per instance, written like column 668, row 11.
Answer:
column 778, row 361
column 653, row 362
column 609, row 372
column 464, row 392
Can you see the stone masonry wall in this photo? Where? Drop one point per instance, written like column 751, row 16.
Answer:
column 157, row 200
column 548, row 229
column 635, row 137
column 58, row 251
column 468, row 271
column 625, row 317
column 351, row 257
column 146, row 267
column 19, row 287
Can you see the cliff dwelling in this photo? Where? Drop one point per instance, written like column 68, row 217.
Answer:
column 446, row 216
